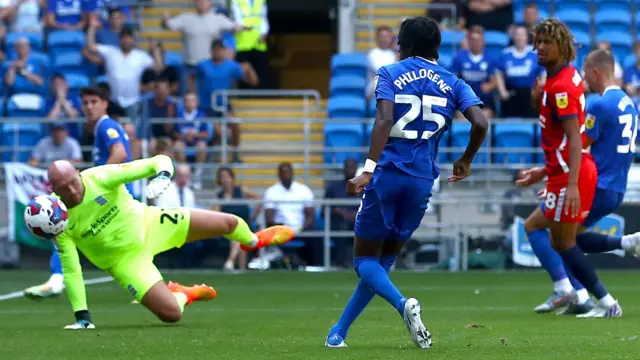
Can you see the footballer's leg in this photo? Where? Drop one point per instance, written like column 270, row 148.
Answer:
column 54, row 286
column 536, row 228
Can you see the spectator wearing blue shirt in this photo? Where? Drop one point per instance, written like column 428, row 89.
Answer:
column 475, row 67
column 516, row 74
column 103, row 8
column 60, row 105
column 110, row 35
column 191, row 136
column 68, row 14
column 25, row 74
column 220, row 74
column 631, row 75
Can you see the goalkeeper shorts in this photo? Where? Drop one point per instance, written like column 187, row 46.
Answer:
column 165, row 229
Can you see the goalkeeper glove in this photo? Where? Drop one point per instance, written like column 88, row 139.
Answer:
column 158, row 185
column 83, row 321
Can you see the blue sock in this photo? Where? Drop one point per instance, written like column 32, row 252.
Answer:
column 577, row 285
column 55, row 264
column 376, row 278
column 361, row 297
column 577, row 261
column 549, row 258
column 595, row 243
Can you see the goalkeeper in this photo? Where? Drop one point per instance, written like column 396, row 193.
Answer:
column 121, row 235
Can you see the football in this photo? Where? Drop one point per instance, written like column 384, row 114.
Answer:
column 46, row 216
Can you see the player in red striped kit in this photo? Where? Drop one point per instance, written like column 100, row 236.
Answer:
column 571, row 171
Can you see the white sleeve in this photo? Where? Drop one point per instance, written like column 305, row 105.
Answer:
column 105, row 50
column 308, row 197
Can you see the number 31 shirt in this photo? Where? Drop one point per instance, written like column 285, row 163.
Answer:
column 426, row 97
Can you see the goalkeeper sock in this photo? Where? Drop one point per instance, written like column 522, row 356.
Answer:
column 182, row 300
column 242, row 234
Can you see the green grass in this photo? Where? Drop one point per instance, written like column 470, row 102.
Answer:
column 287, row 315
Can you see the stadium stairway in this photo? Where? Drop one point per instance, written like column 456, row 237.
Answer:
column 389, row 13
column 151, row 23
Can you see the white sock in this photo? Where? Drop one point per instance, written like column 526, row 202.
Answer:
column 562, row 286
column 607, row 301
column 625, row 243
column 56, row 281
column 583, row 296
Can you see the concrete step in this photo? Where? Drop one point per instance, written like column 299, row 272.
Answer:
column 271, row 172
column 280, row 126
column 268, row 113
column 264, row 184
column 399, row 12
column 296, row 103
column 158, row 11
column 276, row 159
column 281, row 137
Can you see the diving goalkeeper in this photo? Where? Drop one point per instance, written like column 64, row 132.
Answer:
column 121, row 235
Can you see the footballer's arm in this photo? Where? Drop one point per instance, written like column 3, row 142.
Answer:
column 381, row 128
column 73, row 279
column 117, row 154
column 116, row 175
column 479, row 128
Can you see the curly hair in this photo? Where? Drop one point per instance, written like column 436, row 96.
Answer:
column 557, row 31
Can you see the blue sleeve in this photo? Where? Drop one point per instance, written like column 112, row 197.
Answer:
column 500, row 65
column 89, row 5
column 238, row 72
column 51, row 6
column 108, row 131
column 383, row 85
column 594, row 120
column 465, row 97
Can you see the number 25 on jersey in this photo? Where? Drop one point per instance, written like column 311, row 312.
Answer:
column 426, row 104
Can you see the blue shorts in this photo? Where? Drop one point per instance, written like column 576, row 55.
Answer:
column 605, row 202
column 393, row 205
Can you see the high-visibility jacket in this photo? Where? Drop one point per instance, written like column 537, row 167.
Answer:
column 248, row 40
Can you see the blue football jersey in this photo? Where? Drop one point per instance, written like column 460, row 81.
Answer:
column 612, row 122
column 475, row 70
column 426, row 96
column 108, row 133
column 520, row 69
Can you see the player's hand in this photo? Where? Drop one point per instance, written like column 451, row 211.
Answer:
column 358, row 183
column 158, row 185
column 530, row 177
column 80, row 325
column 537, row 89
column 461, row 170
column 572, row 201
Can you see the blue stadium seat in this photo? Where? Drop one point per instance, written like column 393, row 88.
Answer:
column 495, row 42
column 76, row 81
column 628, row 61
column 603, row 5
column 513, row 135
column 69, row 63
column 25, row 105
column 576, row 19
column 452, row 38
column 173, row 58
column 24, row 133
column 445, row 60
column 347, row 85
column 577, row 5
column 65, row 41
column 347, row 107
column 538, row 138
column 621, row 42
column 611, row 20
column 460, row 138
column 35, row 40
column 342, row 135
column 371, row 111
column 349, row 64
column 445, row 141
column 101, row 79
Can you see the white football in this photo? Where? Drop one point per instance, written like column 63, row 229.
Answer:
column 46, row 216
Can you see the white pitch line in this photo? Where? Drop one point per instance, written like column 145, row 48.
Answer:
column 18, row 294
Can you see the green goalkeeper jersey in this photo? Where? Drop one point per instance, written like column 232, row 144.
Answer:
column 107, row 223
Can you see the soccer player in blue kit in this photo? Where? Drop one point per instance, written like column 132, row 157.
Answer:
column 611, row 127
column 111, row 146
column 416, row 102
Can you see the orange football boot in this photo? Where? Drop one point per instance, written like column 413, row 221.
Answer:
column 194, row 293
column 274, row 235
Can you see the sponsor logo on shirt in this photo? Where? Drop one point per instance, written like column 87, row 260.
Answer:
column 101, row 200
column 112, row 133
column 589, row 121
column 562, row 100
column 101, row 223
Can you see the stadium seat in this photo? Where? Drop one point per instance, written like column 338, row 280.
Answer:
column 349, row 64
column 69, row 63
column 347, row 85
column 612, row 20
column 347, row 107
column 76, row 81
column 621, row 42
column 25, row 105
column 342, row 135
column 495, row 42
column 578, row 5
column 371, row 111
column 452, row 38
column 513, row 135
column 445, row 60
column 445, row 142
column 576, row 19
column 603, row 5
column 35, row 40
column 101, row 79
column 460, row 138
column 65, row 41
column 23, row 133
column 629, row 60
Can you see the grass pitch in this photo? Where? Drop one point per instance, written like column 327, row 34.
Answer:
column 277, row 315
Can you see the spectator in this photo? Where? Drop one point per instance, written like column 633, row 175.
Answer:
column 114, row 110
column 60, row 105
column 516, row 74
column 110, row 35
column 161, row 106
column 57, row 146
column 159, row 70
column 67, row 14
column 444, row 15
column 343, row 217
column 490, row 14
column 476, row 68
column 382, row 55
column 198, row 30
column 179, row 193
column 193, row 132
column 24, row 74
column 298, row 213
column 229, row 37
column 124, row 66
column 163, row 147
column 617, row 69
column 22, row 15
column 530, row 19
column 226, row 180
column 135, row 144
column 631, row 75
column 219, row 74
column 251, row 44
column 103, row 12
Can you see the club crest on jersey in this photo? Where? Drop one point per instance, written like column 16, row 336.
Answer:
column 112, row 133
column 101, row 200
column 589, row 121
column 562, row 100
column 375, row 81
